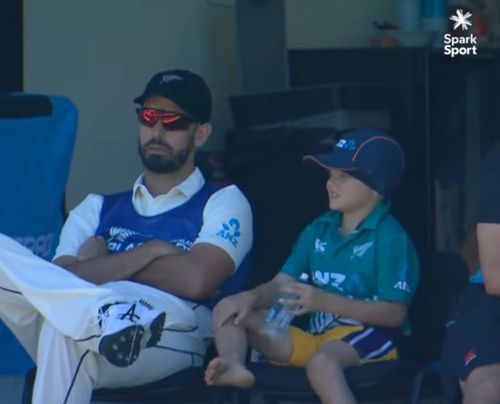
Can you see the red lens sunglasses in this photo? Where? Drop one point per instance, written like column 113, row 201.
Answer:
column 169, row 120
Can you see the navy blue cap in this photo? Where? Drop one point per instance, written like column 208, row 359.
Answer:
column 188, row 90
column 372, row 156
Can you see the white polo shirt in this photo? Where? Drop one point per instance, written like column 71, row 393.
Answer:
column 225, row 204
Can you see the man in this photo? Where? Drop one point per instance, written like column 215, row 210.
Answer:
column 472, row 348
column 160, row 254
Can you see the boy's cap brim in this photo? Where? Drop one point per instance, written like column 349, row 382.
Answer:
column 330, row 162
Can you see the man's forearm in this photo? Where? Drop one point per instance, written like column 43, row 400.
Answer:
column 196, row 274
column 114, row 267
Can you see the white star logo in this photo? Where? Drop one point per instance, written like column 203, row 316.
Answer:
column 461, row 20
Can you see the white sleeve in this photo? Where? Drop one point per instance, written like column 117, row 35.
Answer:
column 227, row 223
column 81, row 224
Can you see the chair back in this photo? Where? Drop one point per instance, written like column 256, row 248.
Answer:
column 37, row 135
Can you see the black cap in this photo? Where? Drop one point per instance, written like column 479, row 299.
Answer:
column 372, row 156
column 188, row 90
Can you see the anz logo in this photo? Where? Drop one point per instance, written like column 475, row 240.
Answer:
column 329, row 278
column 230, row 231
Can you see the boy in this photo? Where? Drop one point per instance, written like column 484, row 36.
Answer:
column 363, row 272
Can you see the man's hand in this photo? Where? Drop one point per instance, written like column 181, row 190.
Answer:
column 233, row 308
column 93, row 247
column 309, row 298
column 159, row 248
column 94, row 263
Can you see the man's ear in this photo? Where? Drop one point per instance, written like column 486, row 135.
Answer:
column 202, row 134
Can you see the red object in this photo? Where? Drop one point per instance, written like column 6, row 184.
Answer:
column 481, row 27
column 169, row 120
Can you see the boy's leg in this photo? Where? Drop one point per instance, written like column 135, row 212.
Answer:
column 232, row 343
column 339, row 348
column 325, row 371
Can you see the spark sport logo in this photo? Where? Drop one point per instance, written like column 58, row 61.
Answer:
column 460, row 45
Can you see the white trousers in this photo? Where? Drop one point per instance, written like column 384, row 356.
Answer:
column 53, row 313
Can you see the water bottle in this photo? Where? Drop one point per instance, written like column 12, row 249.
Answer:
column 278, row 317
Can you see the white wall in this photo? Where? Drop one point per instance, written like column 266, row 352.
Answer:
column 100, row 53
column 335, row 23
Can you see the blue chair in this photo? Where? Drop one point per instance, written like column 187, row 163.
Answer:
column 37, row 135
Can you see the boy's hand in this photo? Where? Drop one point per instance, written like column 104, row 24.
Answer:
column 233, row 308
column 309, row 298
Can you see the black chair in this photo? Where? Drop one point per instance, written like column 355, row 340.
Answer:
column 414, row 375
column 187, row 385
column 374, row 381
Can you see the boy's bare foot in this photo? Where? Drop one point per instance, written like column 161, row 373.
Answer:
column 224, row 371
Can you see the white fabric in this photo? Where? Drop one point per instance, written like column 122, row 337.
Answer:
column 226, row 204
column 49, row 310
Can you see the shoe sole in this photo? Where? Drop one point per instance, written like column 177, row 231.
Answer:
column 154, row 331
column 123, row 347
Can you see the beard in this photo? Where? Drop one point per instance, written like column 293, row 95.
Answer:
column 161, row 164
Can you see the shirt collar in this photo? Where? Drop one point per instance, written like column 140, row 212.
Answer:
column 188, row 187
column 371, row 220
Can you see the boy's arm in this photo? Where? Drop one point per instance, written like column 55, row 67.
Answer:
column 236, row 307
column 265, row 294
column 379, row 313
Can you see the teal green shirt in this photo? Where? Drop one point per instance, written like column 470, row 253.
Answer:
column 376, row 262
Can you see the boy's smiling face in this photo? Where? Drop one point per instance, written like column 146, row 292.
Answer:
column 348, row 194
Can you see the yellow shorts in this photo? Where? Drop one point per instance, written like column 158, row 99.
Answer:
column 370, row 343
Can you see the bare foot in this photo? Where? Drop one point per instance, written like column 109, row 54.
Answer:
column 224, row 371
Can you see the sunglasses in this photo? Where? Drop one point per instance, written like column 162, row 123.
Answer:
column 169, row 120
